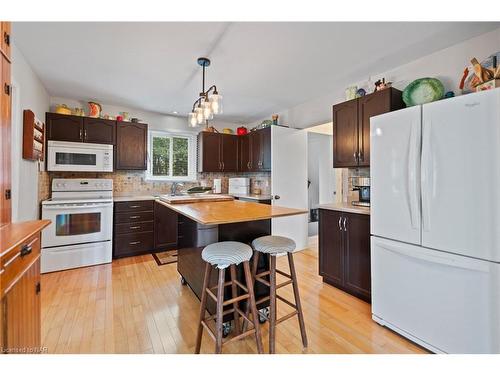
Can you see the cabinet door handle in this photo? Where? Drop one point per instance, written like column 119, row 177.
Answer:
column 340, row 223
column 6, row 38
column 136, row 227
column 7, row 89
column 85, row 134
column 134, row 217
column 134, row 243
column 360, row 156
column 81, row 134
column 25, row 250
column 248, row 165
column 355, row 156
column 345, row 227
column 38, row 288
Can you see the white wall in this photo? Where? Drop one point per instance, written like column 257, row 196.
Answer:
column 320, row 169
column 155, row 121
column 447, row 65
column 28, row 93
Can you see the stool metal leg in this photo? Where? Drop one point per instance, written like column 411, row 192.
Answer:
column 272, row 305
column 203, row 303
column 220, row 308
column 253, row 307
column 234, row 294
column 297, row 299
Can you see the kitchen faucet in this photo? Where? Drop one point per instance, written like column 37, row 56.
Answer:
column 173, row 187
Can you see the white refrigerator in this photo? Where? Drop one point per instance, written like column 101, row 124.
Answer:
column 435, row 223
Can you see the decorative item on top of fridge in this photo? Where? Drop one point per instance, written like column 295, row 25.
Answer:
column 423, row 90
column 382, row 85
column 484, row 75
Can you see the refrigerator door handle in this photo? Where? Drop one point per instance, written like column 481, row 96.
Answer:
column 433, row 256
column 412, row 174
column 425, row 176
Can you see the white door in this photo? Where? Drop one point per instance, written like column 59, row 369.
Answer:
column 289, row 181
column 445, row 302
column 394, row 173
column 461, row 175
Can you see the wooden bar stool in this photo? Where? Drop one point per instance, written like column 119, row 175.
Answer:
column 223, row 255
column 274, row 246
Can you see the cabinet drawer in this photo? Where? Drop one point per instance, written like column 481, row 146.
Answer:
column 16, row 262
column 133, row 217
column 134, row 243
column 134, row 227
column 134, row 206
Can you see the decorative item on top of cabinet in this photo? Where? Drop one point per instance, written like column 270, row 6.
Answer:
column 131, row 146
column 344, row 251
column 33, row 136
column 351, row 126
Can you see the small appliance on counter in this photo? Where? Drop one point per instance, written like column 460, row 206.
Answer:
column 217, row 189
column 239, row 186
column 362, row 186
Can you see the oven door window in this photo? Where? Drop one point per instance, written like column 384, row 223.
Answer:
column 78, row 224
column 70, row 158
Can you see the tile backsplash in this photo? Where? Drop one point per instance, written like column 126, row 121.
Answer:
column 135, row 182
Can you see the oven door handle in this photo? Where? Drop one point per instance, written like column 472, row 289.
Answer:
column 79, row 207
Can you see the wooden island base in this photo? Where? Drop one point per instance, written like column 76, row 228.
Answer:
column 191, row 267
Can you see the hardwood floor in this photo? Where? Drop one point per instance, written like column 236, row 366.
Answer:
column 135, row 306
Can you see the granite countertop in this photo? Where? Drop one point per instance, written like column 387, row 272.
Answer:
column 125, row 197
column 346, row 207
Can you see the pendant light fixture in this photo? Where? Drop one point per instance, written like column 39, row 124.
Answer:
column 209, row 102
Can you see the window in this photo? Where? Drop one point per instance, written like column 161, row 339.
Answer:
column 172, row 156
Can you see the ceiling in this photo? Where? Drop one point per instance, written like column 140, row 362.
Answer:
column 259, row 68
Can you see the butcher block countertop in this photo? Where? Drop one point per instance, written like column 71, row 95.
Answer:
column 211, row 213
column 12, row 235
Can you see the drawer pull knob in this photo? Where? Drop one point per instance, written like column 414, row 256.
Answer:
column 26, row 249
column 134, row 243
column 136, row 227
column 134, row 217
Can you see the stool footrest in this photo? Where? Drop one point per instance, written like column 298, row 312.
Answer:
column 286, row 301
column 235, row 299
column 283, row 273
column 286, row 317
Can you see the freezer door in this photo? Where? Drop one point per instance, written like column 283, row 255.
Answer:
column 461, row 175
column 395, row 139
column 445, row 302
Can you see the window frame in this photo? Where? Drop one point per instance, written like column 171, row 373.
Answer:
column 192, row 139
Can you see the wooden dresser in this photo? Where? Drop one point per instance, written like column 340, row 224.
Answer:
column 19, row 242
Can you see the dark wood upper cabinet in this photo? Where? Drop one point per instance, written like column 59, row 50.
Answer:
column 165, row 227
column 131, row 146
column 209, row 152
column 96, row 130
column 229, row 152
column 64, row 127
column 345, row 134
column 351, row 126
column 260, row 149
column 331, row 247
column 344, row 251
column 266, row 149
column 244, row 153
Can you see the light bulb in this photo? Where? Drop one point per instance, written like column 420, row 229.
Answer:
column 200, row 118
column 192, row 119
column 216, row 103
column 207, row 110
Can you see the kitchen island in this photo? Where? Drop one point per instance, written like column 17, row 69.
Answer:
column 203, row 223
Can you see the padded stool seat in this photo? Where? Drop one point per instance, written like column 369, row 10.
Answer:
column 223, row 254
column 273, row 245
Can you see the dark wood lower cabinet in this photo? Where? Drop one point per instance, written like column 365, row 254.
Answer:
column 344, row 251
column 165, row 227
column 142, row 227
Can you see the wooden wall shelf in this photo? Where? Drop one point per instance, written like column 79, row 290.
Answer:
column 33, row 136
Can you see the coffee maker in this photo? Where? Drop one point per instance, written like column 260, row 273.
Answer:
column 362, row 186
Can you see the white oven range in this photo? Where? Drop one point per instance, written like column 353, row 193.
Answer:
column 81, row 232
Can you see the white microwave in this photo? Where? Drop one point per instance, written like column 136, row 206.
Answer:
column 79, row 157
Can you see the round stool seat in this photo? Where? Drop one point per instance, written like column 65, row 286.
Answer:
column 223, row 254
column 273, row 245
